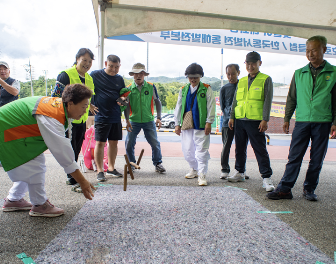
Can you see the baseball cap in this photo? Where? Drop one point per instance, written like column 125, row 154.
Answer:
column 4, row 64
column 253, row 57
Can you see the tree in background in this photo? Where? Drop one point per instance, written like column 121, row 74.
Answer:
column 171, row 100
column 38, row 86
column 127, row 81
column 162, row 92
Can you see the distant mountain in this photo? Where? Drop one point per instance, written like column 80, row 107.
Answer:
column 213, row 81
column 182, row 79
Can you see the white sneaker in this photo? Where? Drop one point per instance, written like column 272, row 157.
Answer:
column 224, row 175
column 201, row 180
column 192, row 174
column 268, row 185
column 237, row 177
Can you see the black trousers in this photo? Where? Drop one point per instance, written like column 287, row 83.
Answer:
column 245, row 131
column 227, row 138
column 303, row 132
column 78, row 133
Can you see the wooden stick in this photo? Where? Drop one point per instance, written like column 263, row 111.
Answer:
column 135, row 165
column 129, row 167
column 140, row 157
column 125, row 177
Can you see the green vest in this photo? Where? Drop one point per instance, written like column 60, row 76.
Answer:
column 314, row 105
column 20, row 137
column 250, row 102
column 141, row 103
column 74, row 78
column 201, row 102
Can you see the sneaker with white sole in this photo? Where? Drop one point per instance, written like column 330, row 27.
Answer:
column 10, row 206
column 101, row 177
column 114, row 173
column 268, row 185
column 224, row 175
column 201, row 180
column 46, row 210
column 159, row 168
column 192, row 174
column 237, row 177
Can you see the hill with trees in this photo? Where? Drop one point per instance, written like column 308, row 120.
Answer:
column 167, row 87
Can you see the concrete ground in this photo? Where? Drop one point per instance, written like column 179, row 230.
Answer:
column 315, row 221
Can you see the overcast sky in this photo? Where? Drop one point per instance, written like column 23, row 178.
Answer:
column 50, row 33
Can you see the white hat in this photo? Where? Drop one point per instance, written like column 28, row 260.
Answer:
column 137, row 68
column 4, row 64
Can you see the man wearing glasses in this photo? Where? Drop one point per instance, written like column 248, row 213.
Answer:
column 250, row 113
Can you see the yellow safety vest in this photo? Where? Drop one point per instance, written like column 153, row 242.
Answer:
column 74, row 78
column 250, row 102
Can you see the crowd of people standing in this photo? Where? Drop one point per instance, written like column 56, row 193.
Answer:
column 59, row 123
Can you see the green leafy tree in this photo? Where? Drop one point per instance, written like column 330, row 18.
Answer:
column 127, row 81
column 162, row 92
column 39, row 87
column 171, row 100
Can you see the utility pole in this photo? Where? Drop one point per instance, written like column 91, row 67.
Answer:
column 147, row 59
column 222, row 68
column 46, row 81
column 28, row 68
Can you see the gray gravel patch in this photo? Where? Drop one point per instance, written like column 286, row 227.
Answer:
column 168, row 224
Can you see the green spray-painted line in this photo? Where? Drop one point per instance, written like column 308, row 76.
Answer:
column 319, row 262
column 235, row 187
column 103, row 185
column 279, row 212
column 25, row 259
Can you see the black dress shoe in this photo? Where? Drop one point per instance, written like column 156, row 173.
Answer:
column 278, row 195
column 310, row 196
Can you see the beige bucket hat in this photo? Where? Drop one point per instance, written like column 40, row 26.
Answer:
column 137, row 68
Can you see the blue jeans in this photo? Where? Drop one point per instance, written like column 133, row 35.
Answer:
column 302, row 133
column 149, row 129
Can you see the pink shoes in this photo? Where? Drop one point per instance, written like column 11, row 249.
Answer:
column 46, row 210
column 10, row 206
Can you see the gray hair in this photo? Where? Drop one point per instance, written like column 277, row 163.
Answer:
column 321, row 39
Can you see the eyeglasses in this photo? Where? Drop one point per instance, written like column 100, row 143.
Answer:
column 251, row 63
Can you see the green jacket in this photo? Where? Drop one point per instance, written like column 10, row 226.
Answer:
column 141, row 104
column 201, row 102
column 74, row 78
column 20, row 137
column 314, row 105
column 250, row 102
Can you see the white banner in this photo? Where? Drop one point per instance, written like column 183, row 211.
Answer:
column 229, row 39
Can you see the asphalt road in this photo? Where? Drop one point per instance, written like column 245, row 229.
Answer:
column 315, row 221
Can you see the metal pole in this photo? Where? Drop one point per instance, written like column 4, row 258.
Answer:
column 28, row 69
column 102, row 35
column 147, row 59
column 222, row 68
column 46, row 81
column 31, row 79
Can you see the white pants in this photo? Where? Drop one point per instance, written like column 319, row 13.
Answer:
column 195, row 147
column 29, row 177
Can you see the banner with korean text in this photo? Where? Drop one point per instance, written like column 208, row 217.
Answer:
column 229, row 39
column 278, row 110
